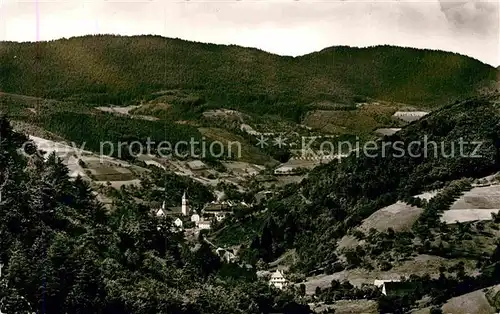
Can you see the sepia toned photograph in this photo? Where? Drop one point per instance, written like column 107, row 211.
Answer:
column 249, row 156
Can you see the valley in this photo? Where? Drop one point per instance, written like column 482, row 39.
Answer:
column 276, row 209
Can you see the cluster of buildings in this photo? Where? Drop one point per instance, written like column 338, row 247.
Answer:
column 214, row 211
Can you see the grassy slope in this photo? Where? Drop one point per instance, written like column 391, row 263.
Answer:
column 116, row 69
column 473, row 302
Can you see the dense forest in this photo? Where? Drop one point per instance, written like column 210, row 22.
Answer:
column 61, row 252
column 108, row 69
column 165, row 186
column 313, row 215
column 100, row 127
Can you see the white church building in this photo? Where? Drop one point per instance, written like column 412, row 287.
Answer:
column 181, row 212
column 176, row 212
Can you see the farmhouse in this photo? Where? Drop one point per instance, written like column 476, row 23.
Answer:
column 155, row 163
column 394, row 287
column 283, row 170
column 278, row 279
column 196, row 165
column 249, row 130
column 382, row 284
column 410, row 116
column 216, row 210
column 387, row 131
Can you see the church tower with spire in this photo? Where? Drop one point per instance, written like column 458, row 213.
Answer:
column 185, row 205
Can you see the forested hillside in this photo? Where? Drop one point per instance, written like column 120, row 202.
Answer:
column 113, row 69
column 61, row 252
column 313, row 215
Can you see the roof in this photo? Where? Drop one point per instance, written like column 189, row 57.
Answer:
column 262, row 273
column 399, row 287
column 278, row 274
column 196, row 165
column 379, row 283
column 168, row 211
column 215, row 207
column 285, row 169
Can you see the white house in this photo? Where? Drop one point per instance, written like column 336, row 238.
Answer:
column 161, row 211
column 178, row 223
column 278, row 279
column 195, row 218
column 204, row 224
column 229, row 257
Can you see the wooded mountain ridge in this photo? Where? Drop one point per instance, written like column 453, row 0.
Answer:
column 118, row 69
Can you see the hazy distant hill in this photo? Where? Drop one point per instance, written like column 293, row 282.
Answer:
column 115, row 69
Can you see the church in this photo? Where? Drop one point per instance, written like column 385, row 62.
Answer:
column 178, row 211
column 182, row 210
column 181, row 213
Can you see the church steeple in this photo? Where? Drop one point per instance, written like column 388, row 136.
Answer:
column 185, row 205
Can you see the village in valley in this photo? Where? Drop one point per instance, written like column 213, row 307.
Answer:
column 146, row 174
column 196, row 222
column 211, row 213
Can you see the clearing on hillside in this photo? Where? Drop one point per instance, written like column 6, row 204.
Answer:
column 476, row 204
column 398, row 216
column 474, row 302
column 420, row 265
column 363, row 120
